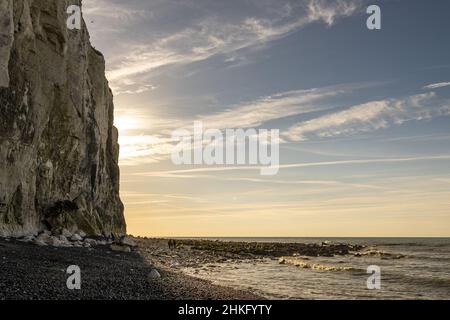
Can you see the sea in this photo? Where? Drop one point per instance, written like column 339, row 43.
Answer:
column 388, row 268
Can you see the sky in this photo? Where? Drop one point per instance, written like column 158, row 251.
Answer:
column 363, row 114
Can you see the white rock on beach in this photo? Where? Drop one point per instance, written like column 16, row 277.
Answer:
column 77, row 244
column 154, row 274
column 43, row 237
column 47, row 233
column 91, row 242
column 55, row 242
column 76, row 237
column 115, row 247
column 29, row 238
column 40, row 243
column 66, row 233
column 127, row 241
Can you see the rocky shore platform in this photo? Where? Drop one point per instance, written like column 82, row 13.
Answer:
column 208, row 253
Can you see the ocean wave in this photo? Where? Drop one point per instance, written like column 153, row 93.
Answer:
column 405, row 244
column 374, row 252
column 301, row 263
column 420, row 281
column 414, row 244
column 438, row 258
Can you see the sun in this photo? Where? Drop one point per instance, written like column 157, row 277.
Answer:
column 126, row 123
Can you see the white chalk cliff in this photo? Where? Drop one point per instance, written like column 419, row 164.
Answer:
column 58, row 146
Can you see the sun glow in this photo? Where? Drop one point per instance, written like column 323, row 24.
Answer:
column 125, row 123
column 137, row 147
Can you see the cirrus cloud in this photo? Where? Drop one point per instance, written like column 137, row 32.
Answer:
column 370, row 116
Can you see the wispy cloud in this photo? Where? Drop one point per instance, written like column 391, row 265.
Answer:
column 136, row 199
column 443, row 179
column 325, row 183
column 174, row 173
column 322, row 10
column 137, row 90
column 370, row 116
column 139, row 148
column 110, row 11
column 437, row 85
column 281, row 105
column 210, row 36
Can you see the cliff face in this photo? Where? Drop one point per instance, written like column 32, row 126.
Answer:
column 58, row 145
